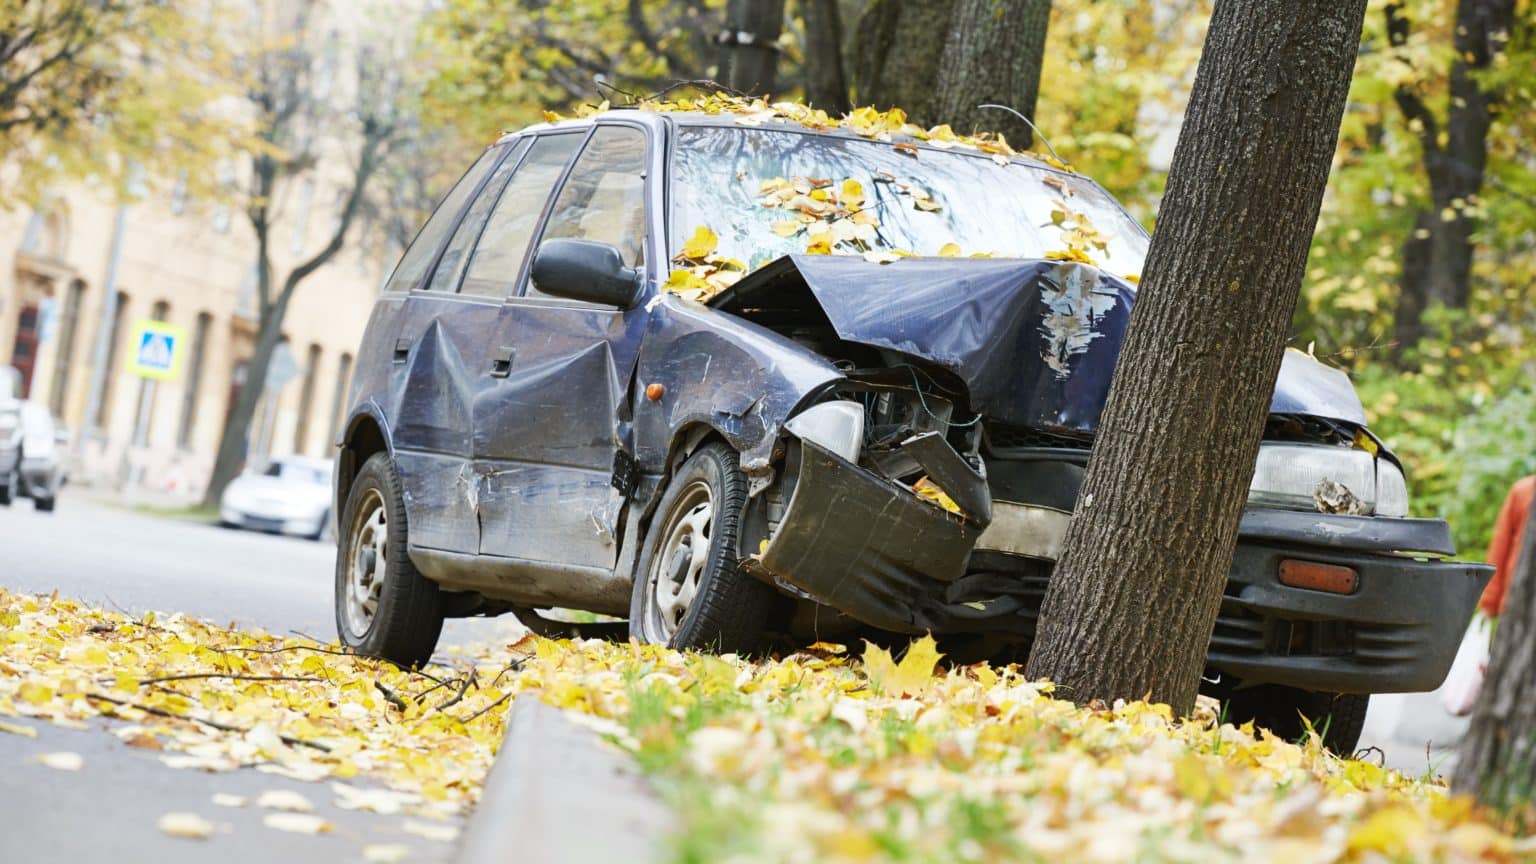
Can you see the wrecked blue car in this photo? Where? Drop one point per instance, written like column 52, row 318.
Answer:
column 609, row 375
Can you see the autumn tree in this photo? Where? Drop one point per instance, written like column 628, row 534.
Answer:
column 1437, row 255
column 1497, row 757
column 1134, row 597
column 88, row 87
column 306, row 109
column 749, row 45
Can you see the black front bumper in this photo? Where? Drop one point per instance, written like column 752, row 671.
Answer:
column 871, row 549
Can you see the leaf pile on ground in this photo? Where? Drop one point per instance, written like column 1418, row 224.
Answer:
column 819, row 755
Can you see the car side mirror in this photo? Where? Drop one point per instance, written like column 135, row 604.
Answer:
column 586, row 270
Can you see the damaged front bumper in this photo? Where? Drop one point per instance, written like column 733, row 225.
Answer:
column 865, row 545
column 873, row 550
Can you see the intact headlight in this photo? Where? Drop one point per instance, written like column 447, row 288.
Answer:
column 1287, row 475
column 837, row 426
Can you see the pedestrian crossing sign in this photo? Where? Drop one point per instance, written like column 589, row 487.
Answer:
column 156, row 350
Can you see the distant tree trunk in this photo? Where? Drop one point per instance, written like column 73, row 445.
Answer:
column 1497, row 761
column 749, row 45
column 992, row 55
column 1133, row 600
column 826, row 86
column 1437, row 256
column 898, row 49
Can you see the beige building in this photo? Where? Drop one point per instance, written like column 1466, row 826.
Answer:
column 193, row 266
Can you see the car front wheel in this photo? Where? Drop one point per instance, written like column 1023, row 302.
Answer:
column 1338, row 718
column 690, row 590
column 384, row 608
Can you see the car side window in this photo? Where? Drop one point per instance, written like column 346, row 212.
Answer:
column 604, row 197
column 418, row 256
column 450, row 265
column 498, row 256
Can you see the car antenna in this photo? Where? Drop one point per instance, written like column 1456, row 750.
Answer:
column 1032, row 127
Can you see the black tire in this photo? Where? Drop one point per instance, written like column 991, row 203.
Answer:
column 5, row 495
column 1338, row 717
column 407, row 615
column 44, row 505
column 729, row 609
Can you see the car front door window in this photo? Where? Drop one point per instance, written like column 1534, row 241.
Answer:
column 603, row 199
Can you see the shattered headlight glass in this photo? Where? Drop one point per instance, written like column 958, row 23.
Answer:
column 837, row 426
column 1295, row 476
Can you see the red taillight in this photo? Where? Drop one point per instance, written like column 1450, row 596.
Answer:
column 1332, row 578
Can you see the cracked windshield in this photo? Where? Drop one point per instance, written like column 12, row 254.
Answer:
column 766, row 193
column 767, row 431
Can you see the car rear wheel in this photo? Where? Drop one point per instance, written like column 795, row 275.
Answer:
column 690, row 590
column 1338, row 717
column 384, row 607
column 44, row 504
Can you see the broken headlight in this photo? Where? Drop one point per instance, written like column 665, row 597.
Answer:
column 1288, row 476
column 837, row 426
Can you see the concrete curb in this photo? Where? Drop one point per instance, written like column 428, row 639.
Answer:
column 557, row 792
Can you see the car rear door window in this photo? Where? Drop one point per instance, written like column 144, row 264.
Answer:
column 450, row 265
column 418, row 257
column 498, row 256
column 603, row 199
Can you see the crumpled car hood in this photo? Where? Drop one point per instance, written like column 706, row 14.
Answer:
column 1035, row 341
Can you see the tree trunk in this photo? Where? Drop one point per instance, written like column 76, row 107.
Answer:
column 234, row 444
column 992, row 55
column 1131, row 606
column 899, row 46
column 749, row 45
column 1498, row 755
column 1437, row 257
column 826, row 87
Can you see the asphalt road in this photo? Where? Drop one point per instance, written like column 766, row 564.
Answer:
column 107, row 811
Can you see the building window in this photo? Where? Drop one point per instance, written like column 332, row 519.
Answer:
column 339, row 400
column 194, row 381
column 306, row 400
column 64, row 364
column 146, row 410
column 109, row 375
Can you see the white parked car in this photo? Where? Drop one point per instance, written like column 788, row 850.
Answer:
column 10, row 432
column 291, row 495
column 44, row 446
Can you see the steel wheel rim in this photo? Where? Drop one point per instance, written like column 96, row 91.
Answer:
column 677, row 568
column 367, row 557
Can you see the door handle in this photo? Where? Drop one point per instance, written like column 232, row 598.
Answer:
column 501, row 362
column 402, row 350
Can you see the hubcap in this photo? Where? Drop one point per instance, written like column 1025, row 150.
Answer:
column 678, row 566
column 366, row 560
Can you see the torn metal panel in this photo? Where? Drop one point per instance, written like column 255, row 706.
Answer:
column 723, row 372
column 1034, row 341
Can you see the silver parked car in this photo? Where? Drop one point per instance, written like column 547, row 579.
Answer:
column 10, row 431
column 40, row 471
column 291, row 495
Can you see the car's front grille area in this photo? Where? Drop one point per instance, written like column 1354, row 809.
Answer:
column 1001, row 436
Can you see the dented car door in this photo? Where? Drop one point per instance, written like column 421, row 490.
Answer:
column 548, row 431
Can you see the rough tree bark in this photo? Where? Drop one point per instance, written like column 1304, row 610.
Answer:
column 898, row 48
column 992, row 55
column 1437, row 255
column 749, row 45
column 1131, row 606
column 1497, row 759
column 826, row 85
